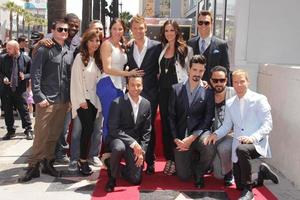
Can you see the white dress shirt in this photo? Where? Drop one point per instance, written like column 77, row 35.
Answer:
column 135, row 108
column 139, row 55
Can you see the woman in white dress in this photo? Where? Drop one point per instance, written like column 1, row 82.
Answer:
column 114, row 58
column 86, row 72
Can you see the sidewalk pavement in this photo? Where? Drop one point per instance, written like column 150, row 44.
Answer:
column 13, row 155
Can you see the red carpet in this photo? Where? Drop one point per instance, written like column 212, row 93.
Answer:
column 159, row 181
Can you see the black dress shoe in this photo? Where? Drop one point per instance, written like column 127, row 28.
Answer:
column 9, row 135
column 246, row 195
column 49, row 169
column 29, row 134
column 265, row 173
column 150, row 169
column 110, row 185
column 32, row 172
column 84, row 168
column 199, row 183
column 228, row 179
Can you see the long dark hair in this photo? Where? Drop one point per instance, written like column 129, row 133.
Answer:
column 181, row 49
column 118, row 20
column 85, row 56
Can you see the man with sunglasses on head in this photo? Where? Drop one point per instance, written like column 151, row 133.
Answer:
column 222, row 164
column 214, row 49
column 50, row 75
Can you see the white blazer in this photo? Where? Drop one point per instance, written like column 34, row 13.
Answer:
column 256, row 122
column 181, row 71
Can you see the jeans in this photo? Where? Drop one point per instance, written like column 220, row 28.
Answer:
column 96, row 138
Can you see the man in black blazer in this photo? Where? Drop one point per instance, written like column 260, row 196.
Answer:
column 143, row 53
column 14, row 75
column 214, row 49
column 191, row 110
column 129, row 126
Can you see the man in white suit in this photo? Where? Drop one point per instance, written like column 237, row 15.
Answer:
column 249, row 113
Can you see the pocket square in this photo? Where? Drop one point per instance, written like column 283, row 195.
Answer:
column 216, row 51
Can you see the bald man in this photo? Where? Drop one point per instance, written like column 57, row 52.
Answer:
column 14, row 75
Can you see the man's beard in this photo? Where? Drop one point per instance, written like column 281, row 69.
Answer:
column 196, row 78
column 219, row 90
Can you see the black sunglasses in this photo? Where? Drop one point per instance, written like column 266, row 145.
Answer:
column 59, row 29
column 221, row 80
column 206, row 23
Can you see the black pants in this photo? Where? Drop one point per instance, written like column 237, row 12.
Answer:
column 130, row 172
column 242, row 170
column 168, row 143
column 87, row 118
column 150, row 156
column 13, row 99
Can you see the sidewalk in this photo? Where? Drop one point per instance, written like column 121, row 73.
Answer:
column 13, row 155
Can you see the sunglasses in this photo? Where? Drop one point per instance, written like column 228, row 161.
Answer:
column 206, row 23
column 221, row 80
column 59, row 29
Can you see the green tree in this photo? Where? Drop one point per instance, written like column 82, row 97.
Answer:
column 126, row 16
column 11, row 7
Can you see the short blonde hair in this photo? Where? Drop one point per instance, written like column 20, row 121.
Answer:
column 240, row 72
column 139, row 19
column 13, row 43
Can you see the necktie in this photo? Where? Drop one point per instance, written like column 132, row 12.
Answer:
column 14, row 75
column 202, row 48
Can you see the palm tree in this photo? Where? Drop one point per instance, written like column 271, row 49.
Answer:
column 126, row 16
column 11, row 6
column 56, row 9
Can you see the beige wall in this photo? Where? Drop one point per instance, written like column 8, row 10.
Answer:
column 281, row 84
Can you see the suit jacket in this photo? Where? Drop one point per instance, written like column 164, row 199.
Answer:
column 150, row 67
column 121, row 122
column 256, row 122
column 6, row 65
column 194, row 118
column 215, row 54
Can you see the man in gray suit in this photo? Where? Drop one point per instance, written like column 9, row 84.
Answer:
column 129, row 126
column 249, row 113
column 214, row 49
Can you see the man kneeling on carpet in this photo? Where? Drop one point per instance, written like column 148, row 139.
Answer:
column 129, row 126
column 191, row 110
column 249, row 113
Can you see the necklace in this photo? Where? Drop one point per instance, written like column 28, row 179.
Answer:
column 168, row 62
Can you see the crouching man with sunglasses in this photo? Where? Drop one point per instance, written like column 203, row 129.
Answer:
column 214, row 49
column 50, row 74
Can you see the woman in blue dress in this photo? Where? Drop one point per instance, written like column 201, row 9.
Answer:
column 114, row 58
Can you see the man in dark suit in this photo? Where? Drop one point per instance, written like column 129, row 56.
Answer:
column 191, row 110
column 214, row 49
column 15, row 73
column 143, row 53
column 129, row 126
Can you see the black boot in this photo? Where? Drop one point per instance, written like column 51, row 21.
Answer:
column 110, row 185
column 32, row 172
column 265, row 173
column 84, row 168
column 49, row 169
